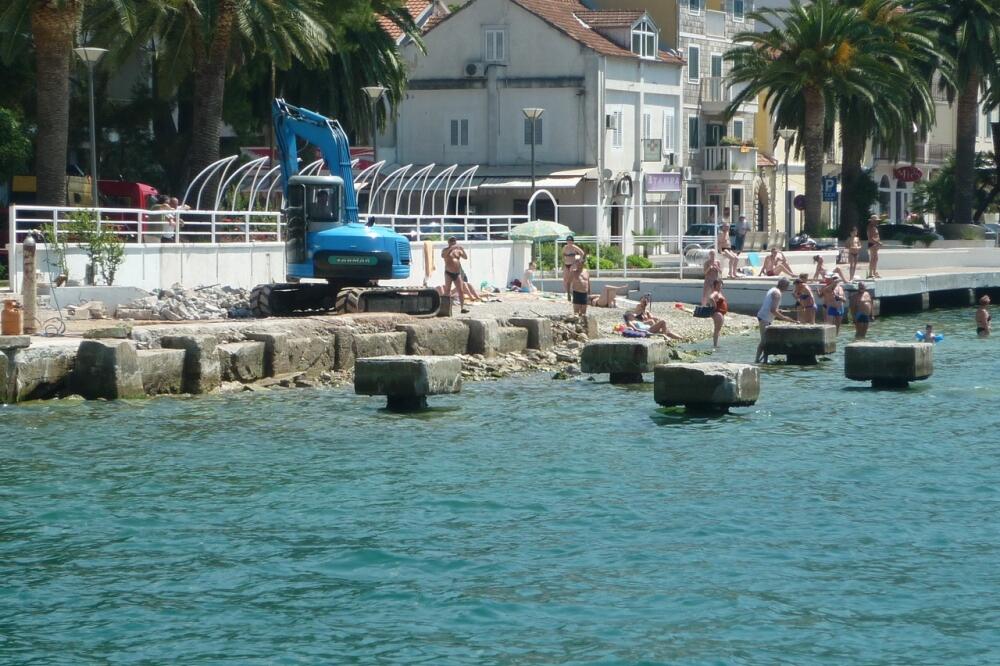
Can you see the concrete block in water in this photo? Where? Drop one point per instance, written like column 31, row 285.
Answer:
column 241, row 361
column 14, row 341
column 888, row 364
column 512, row 339
column 539, row 331
column 407, row 380
column 4, row 379
column 371, row 345
column 800, row 343
column 202, row 373
column 706, row 386
column 162, row 370
column 625, row 360
column 484, row 336
column 107, row 369
column 435, row 337
column 37, row 373
column 284, row 354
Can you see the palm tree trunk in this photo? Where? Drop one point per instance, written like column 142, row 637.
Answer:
column 52, row 26
column 853, row 146
column 209, row 90
column 812, row 142
column 965, row 148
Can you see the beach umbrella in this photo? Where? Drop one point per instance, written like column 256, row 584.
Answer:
column 540, row 230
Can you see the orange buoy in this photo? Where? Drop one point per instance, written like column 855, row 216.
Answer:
column 10, row 319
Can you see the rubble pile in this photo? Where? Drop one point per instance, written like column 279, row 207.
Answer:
column 184, row 304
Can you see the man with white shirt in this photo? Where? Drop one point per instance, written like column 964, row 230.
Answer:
column 769, row 312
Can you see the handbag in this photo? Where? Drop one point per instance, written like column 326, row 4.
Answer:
column 704, row 311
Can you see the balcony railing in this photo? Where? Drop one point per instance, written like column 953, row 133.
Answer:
column 730, row 158
column 924, row 153
column 717, row 90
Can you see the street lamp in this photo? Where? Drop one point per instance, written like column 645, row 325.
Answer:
column 533, row 114
column 787, row 134
column 90, row 56
column 374, row 94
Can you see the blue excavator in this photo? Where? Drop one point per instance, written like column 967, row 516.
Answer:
column 325, row 242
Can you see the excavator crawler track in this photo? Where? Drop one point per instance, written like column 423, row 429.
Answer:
column 304, row 298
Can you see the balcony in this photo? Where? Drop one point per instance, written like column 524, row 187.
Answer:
column 716, row 93
column 723, row 162
column 924, row 153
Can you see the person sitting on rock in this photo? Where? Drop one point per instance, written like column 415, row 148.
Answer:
column 775, row 264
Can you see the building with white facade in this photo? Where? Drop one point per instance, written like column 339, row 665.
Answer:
column 610, row 137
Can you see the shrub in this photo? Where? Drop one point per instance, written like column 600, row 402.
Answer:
column 104, row 248
column 606, row 264
column 638, row 261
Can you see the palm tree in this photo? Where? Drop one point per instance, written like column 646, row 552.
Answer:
column 900, row 113
column 971, row 35
column 809, row 57
column 52, row 25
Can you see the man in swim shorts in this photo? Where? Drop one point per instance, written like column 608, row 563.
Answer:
column 863, row 307
column 833, row 301
column 775, row 264
column 580, row 285
column 453, row 255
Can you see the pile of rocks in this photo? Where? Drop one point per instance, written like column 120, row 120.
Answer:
column 184, row 304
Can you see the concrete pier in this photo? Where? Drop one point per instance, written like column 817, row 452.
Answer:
column 406, row 381
column 624, row 360
column 888, row 364
column 800, row 344
column 712, row 387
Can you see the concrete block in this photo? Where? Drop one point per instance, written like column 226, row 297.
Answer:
column 800, row 344
column 138, row 314
column 107, row 369
column 241, row 361
column 5, row 378
column 539, row 331
column 311, row 354
column 625, row 360
column 512, row 339
column 37, row 373
column 888, row 364
column 202, row 373
column 591, row 322
column 371, row 345
column 162, row 370
column 343, row 346
column 276, row 355
column 14, row 341
column 706, row 386
column 484, row 336
column 406, row 380
column 118, row 332
column 435, row 337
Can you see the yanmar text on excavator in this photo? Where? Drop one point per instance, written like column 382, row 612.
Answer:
column 325, row 240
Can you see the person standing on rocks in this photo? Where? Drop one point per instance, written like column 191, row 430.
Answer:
column 580, row 284
column 711, row 270
column 863, row 308
column 874, row 245
column 726, row 250
column 853, row 250
column 453, row 255
column 769, row 311
column 571, row 254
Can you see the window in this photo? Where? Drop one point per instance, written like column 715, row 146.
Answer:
column 694, row 63
column 538, row 131
column 694, row 139
column 647, row 125
column 738, row 128
column 694, row 6
column 496, row 45
column 669, row 130
column 459, row 132
column 616, row 133
column 644, row 39
column 716, row 65
column 714, row 134
column 692, row 205
column 738, row 10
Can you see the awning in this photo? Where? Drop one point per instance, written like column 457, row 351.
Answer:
column 521, row 183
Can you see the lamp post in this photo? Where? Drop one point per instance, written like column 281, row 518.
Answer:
column 787, row 134
column 90, row 56
column 374, row 94
column 533, row 114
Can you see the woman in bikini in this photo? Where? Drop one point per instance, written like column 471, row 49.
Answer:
column 721, row 308
column 571, row 254
column 853, row 249
column 712, row 269
column 726, row 250
column 821, row 272
column 805, row 300
column 983, row 318
column 874, row 245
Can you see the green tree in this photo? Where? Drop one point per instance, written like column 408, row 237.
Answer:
column 808, row 57
column 971, row 35
column 937, row 195
column 15, row 148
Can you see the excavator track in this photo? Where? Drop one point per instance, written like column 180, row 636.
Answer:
column 414, row 301
column 304, row 298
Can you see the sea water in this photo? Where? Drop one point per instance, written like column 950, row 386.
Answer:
column 523, row 521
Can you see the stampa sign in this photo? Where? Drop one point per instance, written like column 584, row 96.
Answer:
column 907, row 174
column 663, row 182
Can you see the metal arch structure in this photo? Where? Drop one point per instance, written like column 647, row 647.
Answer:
column 430, row 188
column 207, row 174
column 361, row 181
column 408, row 187
column 466, row 176
column 272, row 174
column 221, row 192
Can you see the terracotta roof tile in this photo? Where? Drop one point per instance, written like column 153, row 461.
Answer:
column 414, row 7
column 610, row 18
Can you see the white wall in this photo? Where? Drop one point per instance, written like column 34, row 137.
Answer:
column 495, row 262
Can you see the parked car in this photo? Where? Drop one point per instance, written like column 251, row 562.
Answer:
column 901, row 232
column 699, row 237
column 992, row 231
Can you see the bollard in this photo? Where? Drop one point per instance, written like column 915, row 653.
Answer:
column 29, row 287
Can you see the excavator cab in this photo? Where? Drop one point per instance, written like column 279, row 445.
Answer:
column 315, row 203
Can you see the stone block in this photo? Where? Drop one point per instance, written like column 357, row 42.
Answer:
column 202, row 373
column 512, row 339
column 37, row 373
column 311, row 354
column 118, row 332
column 435, row 337
column 277, row 360
column 241, row 361
column 888, row 364
column 799, row 343
column 162, row 370
column 484, row 336
column 625, row 360
column 539, row 331
column 706, row 386
column 343, row 345
column 371, row 345
column 407, row 380
column 107, row 369
column 591, row 323
column 138, row 314
column 14, row 341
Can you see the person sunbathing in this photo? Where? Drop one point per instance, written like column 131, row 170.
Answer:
column 822, row 273
column 775, row 264
column 658, row 327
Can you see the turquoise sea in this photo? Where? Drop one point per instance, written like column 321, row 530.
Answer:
column 526, row 521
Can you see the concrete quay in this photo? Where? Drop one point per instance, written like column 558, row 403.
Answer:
column 125, row 362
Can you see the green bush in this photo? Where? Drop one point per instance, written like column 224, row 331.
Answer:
column 606, row 264
column 104, row 248
column 638, row 261
column 609, row 253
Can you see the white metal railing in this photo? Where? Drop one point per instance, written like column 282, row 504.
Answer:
column 438, row 227
column 730, row 158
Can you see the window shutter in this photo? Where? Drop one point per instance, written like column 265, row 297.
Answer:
column 669, row 121
column 465, row 132
column 454, row 132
